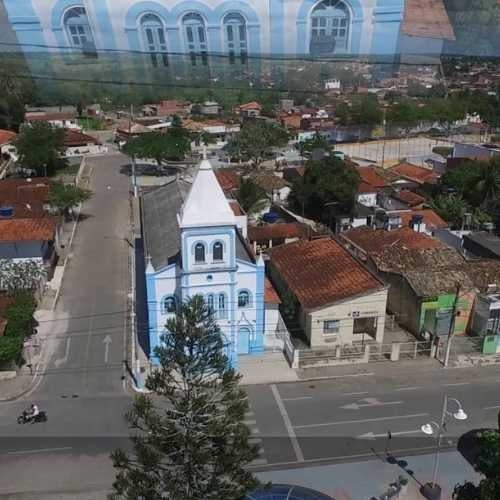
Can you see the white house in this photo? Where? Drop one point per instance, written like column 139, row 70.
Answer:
column 193, row 246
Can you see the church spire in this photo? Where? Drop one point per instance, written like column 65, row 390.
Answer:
column 206, row 204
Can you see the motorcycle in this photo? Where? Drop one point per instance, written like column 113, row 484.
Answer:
column 26, row 417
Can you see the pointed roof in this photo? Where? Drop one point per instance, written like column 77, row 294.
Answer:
column 206, row 204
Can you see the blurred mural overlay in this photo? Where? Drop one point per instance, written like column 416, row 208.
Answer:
column 88, row 46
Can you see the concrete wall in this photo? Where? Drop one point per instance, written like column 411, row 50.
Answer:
column 370, row 305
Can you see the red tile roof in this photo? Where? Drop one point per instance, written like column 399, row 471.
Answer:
column 292, row 121
column 6, row 136
column 75, row 138
column 36, row 116
column 228, row 178
column 236, row 208
column 270, row 294
column 371, row 181
column 414, row 173
column 42, row 229
column 372, row 241
column 24, row 190
column 278, row 231
column 409, row 197
column 321, row 272
column 250, row 106
column 427, row 19
column 431, row 219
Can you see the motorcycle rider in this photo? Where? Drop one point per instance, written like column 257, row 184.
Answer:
column 34, row 412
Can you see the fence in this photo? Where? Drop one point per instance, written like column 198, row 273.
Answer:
column 361, row 353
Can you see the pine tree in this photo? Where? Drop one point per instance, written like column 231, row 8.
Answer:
column 189, row 440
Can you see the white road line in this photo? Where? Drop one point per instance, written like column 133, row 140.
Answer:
column 296, row 399
column 491, row 408
column 343, row 422
column 288, row 424
column 250, row 422
column 401, row 389
column 40, row 450
column 456, row 384
column 354, row 393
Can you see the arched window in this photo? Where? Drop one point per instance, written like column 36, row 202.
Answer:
column 235, row 32
column 222, row 306
column 243, row 298
column 218, row 251
column 210, row 302
column 168, row 304
column 196, row 38
column 199, row 253
column 330, row 22
column 153, row 34
column 77, row 26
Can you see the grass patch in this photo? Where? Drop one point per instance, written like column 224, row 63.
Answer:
column 89, row 123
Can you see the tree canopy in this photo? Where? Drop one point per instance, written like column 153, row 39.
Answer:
column 256, row 139
column 250, row 195
column 64, row 197
column 39, row 146
column 487, row 463
column 328, row 186
column 405, row 114
column 162, row 147
column 190, row 442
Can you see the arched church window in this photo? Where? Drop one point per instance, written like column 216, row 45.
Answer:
column 168, row 304
column 153, row 34
column 330, row 23
column 243, row 298
column 222, row 306
column 199, row 253
column 235, row 32
column 77, row 26
column 196, row 37
column 218, row 251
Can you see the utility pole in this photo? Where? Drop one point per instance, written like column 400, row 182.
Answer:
column 452, row 327
column 134, row 176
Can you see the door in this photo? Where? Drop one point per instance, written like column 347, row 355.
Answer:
column 244, row 340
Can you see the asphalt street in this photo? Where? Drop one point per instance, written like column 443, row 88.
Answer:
column 349, row 418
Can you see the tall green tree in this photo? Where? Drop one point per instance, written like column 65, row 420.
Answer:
column 190, row 442
column 451, row 208
column 404, row 114
column 256, row 139
column 250, row 195
column 487, row 463
column 172, row 146
column 328, row 187
column 39, row 147
column 65, row 197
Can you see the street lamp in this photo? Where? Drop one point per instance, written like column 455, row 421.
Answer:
column 432, row 491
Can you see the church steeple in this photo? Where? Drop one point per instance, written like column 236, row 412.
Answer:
column 206, row 204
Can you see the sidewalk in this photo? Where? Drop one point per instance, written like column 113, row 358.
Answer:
column 371, row 479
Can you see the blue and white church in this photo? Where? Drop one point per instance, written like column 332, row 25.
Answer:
column 193, row 246
column 236, row 28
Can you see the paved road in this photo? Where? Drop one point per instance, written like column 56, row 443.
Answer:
column 347, row 418
column 81, row 384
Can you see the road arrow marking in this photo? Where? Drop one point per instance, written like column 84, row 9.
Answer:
column 372, row 402
column 107, row 341
column 60, row 361
column 372, row 436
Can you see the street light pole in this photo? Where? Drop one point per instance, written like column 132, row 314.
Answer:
column 432, row 491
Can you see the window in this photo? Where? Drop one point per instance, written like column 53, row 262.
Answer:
column 199, row 253
column 330, row 22
column 331, row 327
column 222, row 306
column 235, row 32
column 168, row 304
column 210, row 302
column 77, row 26
column 153, row 34
column 243, row 299
column 196, row 39
column 218, row 251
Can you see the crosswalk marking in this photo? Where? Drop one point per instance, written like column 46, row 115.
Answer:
column 251, row 423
